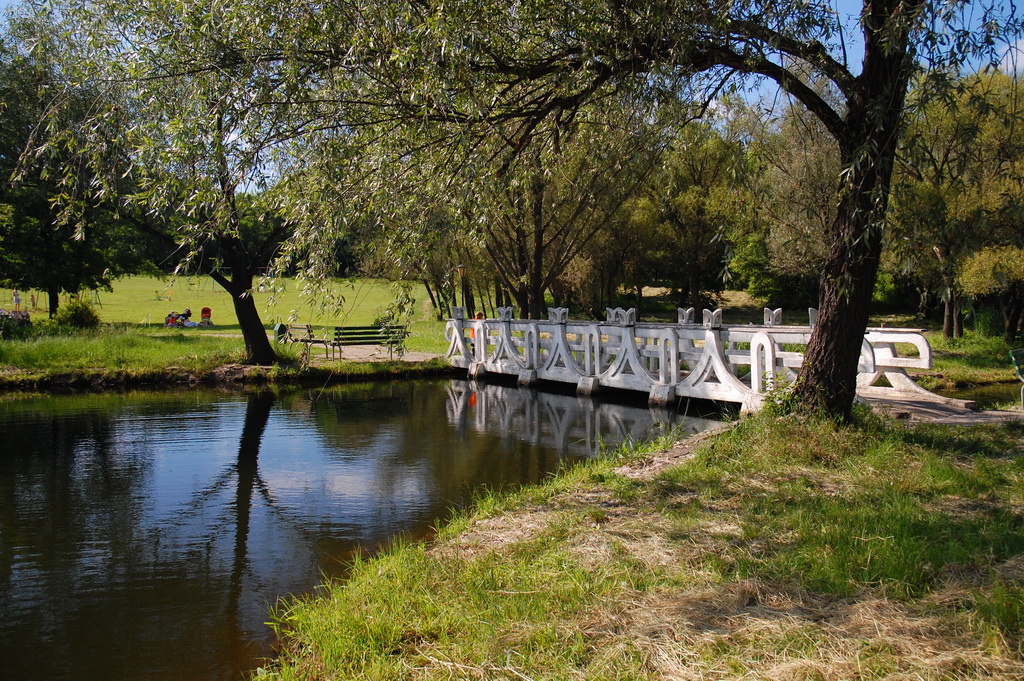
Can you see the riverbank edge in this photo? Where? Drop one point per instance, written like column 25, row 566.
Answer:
column 232, row 374
column 592, row 534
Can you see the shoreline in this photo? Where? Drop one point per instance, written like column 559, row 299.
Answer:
column 232, row 374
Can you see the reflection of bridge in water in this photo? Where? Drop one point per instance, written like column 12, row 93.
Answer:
column 562, row 422
column 708, row 360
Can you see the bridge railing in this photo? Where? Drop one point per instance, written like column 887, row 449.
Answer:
column 708, row 360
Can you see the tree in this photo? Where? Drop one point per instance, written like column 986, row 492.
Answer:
column 960, row 183
column 539, row 215
column 468, row 71
column 37, row 248
column 998, row 271
column 779, row 254
column 694, row 199
column 173, row 148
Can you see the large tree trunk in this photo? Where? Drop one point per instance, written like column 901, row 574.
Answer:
column 867, row 147
column 1012, row 304
column 950, row 308
column 949, row 316
column 258, row 349
column 828, row 379
column 53, row 299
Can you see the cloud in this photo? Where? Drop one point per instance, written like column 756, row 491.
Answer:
column 1013, row 58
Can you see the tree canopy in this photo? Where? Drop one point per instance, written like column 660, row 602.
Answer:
column 379, row 92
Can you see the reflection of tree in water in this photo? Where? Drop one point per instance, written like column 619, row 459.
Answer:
column 257, row 414
column 66, row 483
column 92, row 566
column 150, row 581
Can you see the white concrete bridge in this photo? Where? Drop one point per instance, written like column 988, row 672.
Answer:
column 703, row 360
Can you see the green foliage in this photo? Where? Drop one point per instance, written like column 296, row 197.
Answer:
column 992, row 270
column 885, row 290
column 957, row 191
column 77, row 314
column 779, row 399
column 398, row 314
column 675, row 229
column 998, row 272
column 38, row 247
column 12, row 329
column 751, row 265
column 988, row 322
column 794, row 191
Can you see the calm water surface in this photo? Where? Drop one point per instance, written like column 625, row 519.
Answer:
column 148, row 535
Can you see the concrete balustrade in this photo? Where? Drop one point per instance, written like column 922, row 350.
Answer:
column 707, row 360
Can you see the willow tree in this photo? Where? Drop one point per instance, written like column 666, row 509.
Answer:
column 469, row 63
column 539, row 214
column 462, row 71
column 998, row 271
column 179, row 127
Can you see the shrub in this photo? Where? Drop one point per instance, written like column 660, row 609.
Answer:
column 14, row 328
column 77, row 314
column 988, row 322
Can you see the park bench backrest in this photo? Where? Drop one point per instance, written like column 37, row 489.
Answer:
column 1017, row 356
column 369, row 335
column 301, row 333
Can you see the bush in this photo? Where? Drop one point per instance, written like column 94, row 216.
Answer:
column 784, row 290
column 77, row 314
column 14, row 327
column 988, row 322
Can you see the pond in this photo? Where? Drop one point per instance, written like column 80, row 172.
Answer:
column 148, row 535
column 992, row 396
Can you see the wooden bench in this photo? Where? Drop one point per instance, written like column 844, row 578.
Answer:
column 390, row 336
column 1017, row 357
column 303, row 333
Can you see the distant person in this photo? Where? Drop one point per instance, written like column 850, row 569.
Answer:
column 32, row 299
column 17, row 300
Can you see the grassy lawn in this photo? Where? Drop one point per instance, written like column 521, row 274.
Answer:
column 143, row 301
column 117, row 348
column 784, row 548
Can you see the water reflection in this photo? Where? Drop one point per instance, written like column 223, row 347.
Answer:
column 565, row 423
column 146, row 536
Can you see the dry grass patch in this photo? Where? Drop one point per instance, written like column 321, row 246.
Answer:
column 750, row 629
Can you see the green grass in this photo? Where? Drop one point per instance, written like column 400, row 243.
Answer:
column 119, row 348
column 141, row 301
column 789, row 547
